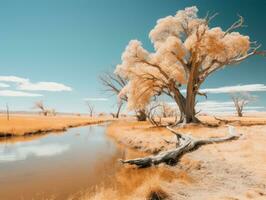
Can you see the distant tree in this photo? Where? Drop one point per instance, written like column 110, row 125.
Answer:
column 240, row 100
column 91, row 108
column 101, row 114
column 52, row 112
column 158, row 110
column 44, row 110
column 187, row 51
column 40, row 105
column 167, row 110
column 7, row 112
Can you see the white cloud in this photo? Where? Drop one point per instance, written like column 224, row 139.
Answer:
column 95, row 99
column 221, row 107
column 27, row 85
column 215, row 107
column 13, row 93
column 44, row 86
column 4, row 85
column 237, row 88
column 14, row 79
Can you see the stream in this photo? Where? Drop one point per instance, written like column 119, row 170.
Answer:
column 56, row 165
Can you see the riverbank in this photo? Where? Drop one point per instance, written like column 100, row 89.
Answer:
column 225, row 171
column 25, row 125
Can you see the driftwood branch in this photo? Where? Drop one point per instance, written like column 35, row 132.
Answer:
column 186, row 143
column 225, row 121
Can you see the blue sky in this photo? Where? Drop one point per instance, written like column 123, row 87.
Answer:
column 73, row 41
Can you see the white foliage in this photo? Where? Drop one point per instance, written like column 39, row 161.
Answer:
column 178, row 41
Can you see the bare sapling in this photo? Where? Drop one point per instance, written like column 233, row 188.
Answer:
column 91, row 108
column 241, row 100
column 39, row 105
column 43, row 109
column 7, row 112
column 167, row 110
column 52, row 112
column 156, row 111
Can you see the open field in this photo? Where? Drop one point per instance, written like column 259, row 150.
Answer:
column 234, row 170
column 22, row 125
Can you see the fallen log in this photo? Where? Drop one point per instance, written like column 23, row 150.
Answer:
column 185, row 143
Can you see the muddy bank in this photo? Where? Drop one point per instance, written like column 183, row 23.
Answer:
column 216, row 171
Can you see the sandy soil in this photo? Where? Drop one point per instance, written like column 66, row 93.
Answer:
column 234, row 170
column 21, row 125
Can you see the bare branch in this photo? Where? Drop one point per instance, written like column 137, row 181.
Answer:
column 208, row 18
column 237, row 24
column 113, row 83
column 202, row 94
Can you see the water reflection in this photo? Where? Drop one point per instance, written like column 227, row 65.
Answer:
column 56, row 164
column 22, row 151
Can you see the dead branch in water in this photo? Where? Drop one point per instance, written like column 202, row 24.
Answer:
column 185, row 144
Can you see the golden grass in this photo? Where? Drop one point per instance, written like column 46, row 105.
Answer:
column 130, row 183
column 157, row 193
column 135, row 184
column 174, row 182
column 140, row 135
column 21, row 125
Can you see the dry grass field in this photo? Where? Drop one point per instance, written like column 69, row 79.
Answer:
column 21, row 125
column 234, row 170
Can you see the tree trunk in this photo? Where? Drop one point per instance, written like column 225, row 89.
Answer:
column 192, row 88
column 239, row 111
column 186, row 107
column 190, row 113
column 118, row 110
column 180, row 101
column 141, row 115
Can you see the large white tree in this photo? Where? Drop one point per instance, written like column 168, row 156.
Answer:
column 186, row 52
